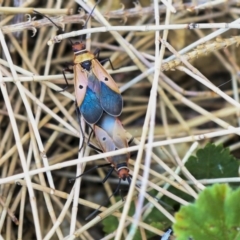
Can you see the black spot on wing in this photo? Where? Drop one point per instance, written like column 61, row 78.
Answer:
column 91, row 108
column 111, row 101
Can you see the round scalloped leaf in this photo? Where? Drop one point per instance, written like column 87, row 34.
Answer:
column 213, row 162
column 215, row 215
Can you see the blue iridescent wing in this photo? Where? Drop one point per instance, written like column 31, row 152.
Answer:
column 111, row 101
column 91, row 108
column 110, row 96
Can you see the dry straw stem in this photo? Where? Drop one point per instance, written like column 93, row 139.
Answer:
column 206, row 5
column 17, row 139
column 32, row 24
column 89, row 204
column 146, row 28
column 122, row 151
column 177, row 109
column 149, row 120
column 14, row 10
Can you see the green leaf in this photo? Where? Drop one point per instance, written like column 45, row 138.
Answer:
column 213, row 162
column 110, row 224
column 215, row 215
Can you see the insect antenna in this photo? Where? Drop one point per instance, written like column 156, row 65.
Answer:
column 59, row 28
column 89, row 16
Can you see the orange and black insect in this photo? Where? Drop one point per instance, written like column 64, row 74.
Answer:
column 95, row 89
column 111, row 136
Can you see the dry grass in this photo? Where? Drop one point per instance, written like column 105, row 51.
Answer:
column 173, row 111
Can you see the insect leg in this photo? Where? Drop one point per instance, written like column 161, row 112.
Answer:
column 121, row 194
column 95, row 148
column 129, row 182
column 97, row 53
column 129, row 179
column 81, row 129
column 108, row 60
column 90, row 170
column 67, row 84
column 117, row 189
column 108, row 175
column 131, row 140
column 97, row 210
column 89, row 144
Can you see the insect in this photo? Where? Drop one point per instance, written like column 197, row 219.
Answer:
column 95, row 89
column 111, row 136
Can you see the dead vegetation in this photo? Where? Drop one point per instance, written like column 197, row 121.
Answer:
column 180, row 89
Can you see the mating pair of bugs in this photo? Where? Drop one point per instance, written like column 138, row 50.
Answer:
column 99, row 101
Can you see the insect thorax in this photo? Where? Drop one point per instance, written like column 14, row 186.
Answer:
column 83, row 56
